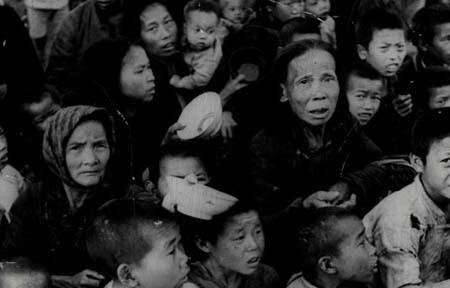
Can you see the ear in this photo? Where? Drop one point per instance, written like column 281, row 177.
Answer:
column 125, row 276
column 284, row 97
column 362, row 52
column 203, row 245
column 327, row 265
column 417, row 163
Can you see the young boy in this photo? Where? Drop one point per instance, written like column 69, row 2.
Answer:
column 137, row 244
column 203, row 50
column 321, row 9
column 432, row 27
column 433, row 88
column 364, row 90
column 235, row 14
column 335, row 251
column 409, row 227
column 298, row 29
column 22, row 273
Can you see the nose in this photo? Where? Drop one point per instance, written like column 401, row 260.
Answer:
column 368, row 105
column 89, row 157
column 251, row 243
column 149, row 77
column 316, row 91
column 183, row 257
column 164, row 32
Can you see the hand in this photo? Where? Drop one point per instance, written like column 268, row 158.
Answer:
column 228, row 125
column 171, row 133
column 327, row 30
column 86, row 277
column 322, row 199
column 403, row 104
column 174, row 81
column 231, row 87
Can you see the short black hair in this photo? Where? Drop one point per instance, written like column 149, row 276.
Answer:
column 430, row 127
column 24, row 267
column 116, row 234
column 318, row 237
column 294, row 50
column 426, row 20
column 363, row 70
column 427, row 79
column 207, row 6
column 373, row 20
column 298, row 26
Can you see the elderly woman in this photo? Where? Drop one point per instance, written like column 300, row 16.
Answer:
column 51, row 215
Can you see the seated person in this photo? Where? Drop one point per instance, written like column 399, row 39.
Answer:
column 334, row 251
column 408, row 228
column 433, row 88
column 203, row 47
column 364, row 90
column 21, row 272
column 321, row 9
column 137, row 244
column 297, row 29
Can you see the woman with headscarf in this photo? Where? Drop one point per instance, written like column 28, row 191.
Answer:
column 78, row 147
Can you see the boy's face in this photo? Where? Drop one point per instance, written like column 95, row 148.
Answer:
column 234, row 10
column 165, row 266
column 364, row 97
column 180, row 167
column 200, row 28
column 356, row 261
column 386, row 51
column 439, row 97
column 288, row 9
column 320, row 8
column 435, row 172
column 441, row 42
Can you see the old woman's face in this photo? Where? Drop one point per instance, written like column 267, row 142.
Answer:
column 312, row 87
column 87, row 153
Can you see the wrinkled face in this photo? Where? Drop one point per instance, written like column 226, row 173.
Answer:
column 441, row 43
column 312, row 87
column 386, row 51
column 136, row 77
column 241, row 245
column 436, row 171
column 364, row 97
column 320, row 8
column 158, row 31
column 180, row 167
column 288, row 9
column 87, row 153
column 165, row 265
column 439, row 97
column 234, row 10
column 200, row 29
column 356, row 261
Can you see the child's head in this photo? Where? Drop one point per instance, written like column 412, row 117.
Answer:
column 283, row 10
column 137, row 244
column 320, row 8
column 180, row 159
column 433, row 88
column 335, row 246
column 364, row 90
column 432, row 27
column 235, row 11
column 430, row 146
column 21, row 272
column 298, row 29
column 381, row 41
column 201, row 21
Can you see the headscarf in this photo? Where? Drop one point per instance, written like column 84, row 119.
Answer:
column 59, row 129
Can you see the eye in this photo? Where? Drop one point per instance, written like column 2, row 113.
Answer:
column 239, row 237
column 75, row 147
column 329, row 78
column 152, row 29
column 168, row 21
column 302, row 81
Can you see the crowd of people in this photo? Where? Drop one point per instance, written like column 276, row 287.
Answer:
column 324, row 163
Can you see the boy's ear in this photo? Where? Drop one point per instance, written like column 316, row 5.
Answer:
column 416, row 162
column 203, row 245
column 362, row 51
column 125, row 276
column 284, row 97
column 327, row 265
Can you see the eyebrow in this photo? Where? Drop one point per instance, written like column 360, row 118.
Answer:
column 171, row 243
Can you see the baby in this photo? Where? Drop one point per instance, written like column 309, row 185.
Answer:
column 235, row 14
column 321, row 10
column 203, row 50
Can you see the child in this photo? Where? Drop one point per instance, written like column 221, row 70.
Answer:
column 203, row 51
column 321, row 9
column 433, row 88
column 22, row 273
column 432, row 27
column 297, row 29
column 364, row 91
column 235, row 14
column 137, row 244
column 335, row 251
column 409, row 228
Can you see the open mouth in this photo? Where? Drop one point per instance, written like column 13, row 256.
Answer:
column 365, row 116
column 254, row 261
column 169, row 46
column 392, row 68
column 321, row 112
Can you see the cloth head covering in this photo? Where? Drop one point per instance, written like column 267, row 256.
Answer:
column 59, row 129
column 196, row 200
